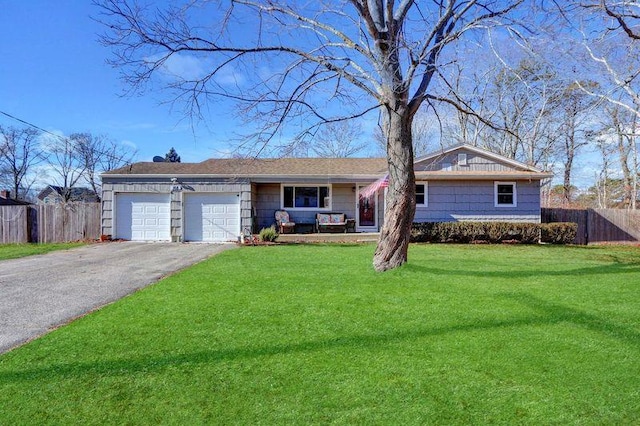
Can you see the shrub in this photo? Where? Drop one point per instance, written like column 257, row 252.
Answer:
column 476, row 232
column 558, row 233
column 268, row 234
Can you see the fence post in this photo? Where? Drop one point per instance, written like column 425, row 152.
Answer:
column 587, row 227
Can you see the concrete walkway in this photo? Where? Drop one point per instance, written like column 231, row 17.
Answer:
column 41, row 293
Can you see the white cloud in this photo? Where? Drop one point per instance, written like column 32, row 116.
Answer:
column 180, row 66
column 229, row 77
column 129, row 144
column 48, row 141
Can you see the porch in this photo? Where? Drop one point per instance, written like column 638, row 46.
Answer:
column 344, row 198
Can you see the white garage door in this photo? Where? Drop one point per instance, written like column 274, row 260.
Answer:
column 143, row 217
column 211, row 217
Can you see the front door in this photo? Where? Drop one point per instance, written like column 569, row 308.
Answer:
column 367, row 212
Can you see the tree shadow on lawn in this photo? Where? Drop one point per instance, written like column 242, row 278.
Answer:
column 537, row 271
column 549, row 314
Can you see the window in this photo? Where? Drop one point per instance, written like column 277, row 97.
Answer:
column 462, row 159
column 421, row 194
column 505, row 194
column 306, row 197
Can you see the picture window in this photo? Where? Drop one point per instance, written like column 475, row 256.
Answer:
column 306, row 197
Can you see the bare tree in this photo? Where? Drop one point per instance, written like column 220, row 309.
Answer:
column 603, row 179
column 602, row 37
column 620, row 129
column 522, row 99
column 19, row 154
column 338, row 140
column 426, row 135
column 67, row 161
column 323, row 62
column 626, row 13
column 97, row 154
column 575, row 107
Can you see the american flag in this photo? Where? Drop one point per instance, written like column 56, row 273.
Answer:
column 370, row 190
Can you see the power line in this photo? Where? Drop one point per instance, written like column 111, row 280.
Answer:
column 32, row 125
column 60, row 137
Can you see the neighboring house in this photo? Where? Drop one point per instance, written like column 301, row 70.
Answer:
column 217, row 199
column 54, row 195
column 6, row 200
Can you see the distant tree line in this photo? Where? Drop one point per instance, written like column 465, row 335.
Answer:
column 30, row 159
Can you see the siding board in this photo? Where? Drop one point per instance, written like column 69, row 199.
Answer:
column 455, row 200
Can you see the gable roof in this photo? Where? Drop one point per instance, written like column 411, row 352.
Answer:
column 507, row 168
column 357, row 168
column 483, row 152
column 77, row 194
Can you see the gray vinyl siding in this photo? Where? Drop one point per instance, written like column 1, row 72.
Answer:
column 456, row 201
column 475, row 163
column 447, row 200
column 112, row 186
column 268, row 201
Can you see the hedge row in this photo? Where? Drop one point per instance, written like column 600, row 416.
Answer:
column 493, row 232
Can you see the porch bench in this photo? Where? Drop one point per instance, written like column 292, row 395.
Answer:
column 334, row 222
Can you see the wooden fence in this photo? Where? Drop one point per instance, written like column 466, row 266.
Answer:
column 50, row 223
column 599, row 225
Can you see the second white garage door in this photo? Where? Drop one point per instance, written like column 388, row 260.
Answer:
column 211, row 217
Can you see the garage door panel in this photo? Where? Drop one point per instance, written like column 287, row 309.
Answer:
column 143, row 217
column 211, row 217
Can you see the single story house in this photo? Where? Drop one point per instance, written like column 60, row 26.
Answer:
column 218, row 199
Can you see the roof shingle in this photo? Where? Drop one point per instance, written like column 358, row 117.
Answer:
column 261, row 167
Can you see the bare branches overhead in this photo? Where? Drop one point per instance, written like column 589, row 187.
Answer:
column 288, row 60
column 294, row 66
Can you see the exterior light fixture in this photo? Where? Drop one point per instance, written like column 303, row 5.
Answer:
column 175, row 185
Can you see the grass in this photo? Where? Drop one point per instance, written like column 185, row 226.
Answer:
column 13, row 251
column 311, row 335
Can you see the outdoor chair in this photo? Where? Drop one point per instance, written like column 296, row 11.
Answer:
column 285, row 226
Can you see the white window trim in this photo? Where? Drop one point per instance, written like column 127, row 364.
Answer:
column 308, row 185
column 426, row 193
column 462, row 159
column 495, row 194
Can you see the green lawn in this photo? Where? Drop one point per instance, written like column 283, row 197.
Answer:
column 311, row 335
column 13, row 251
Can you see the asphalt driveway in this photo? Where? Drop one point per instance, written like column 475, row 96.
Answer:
column 41, row 293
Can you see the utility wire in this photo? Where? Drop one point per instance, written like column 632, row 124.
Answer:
column 62, row 138
column 32, row 125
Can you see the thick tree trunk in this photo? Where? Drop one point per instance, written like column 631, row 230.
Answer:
column 400, row 201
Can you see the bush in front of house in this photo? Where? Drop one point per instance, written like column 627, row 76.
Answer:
column 558, row 233
column 268, row 234
column 478, row 232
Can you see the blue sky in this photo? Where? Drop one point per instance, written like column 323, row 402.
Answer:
column 53, row 74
